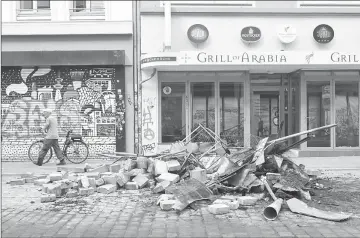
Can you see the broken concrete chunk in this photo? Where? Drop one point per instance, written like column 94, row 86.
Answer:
column 47, row 198
column 233, row 205
column 92, row 182
column 164, row 197
column 247, row 200
column 218, row 209
column 129, row 164
column 84, row 181
column 27, row 175
column 106, row 189
column 141, row 180
column 114, row 168
column 199, row 174
column 131, row 186
column 95, row 175
column 101, row 169
column 172, row 178
column 72, row 193
column 160, row 167
column 167, row 205
column 54, row 189
column 122, row 179
column 99, row 182
column 17, row 182
column 135, row 172
column 55, row 177
column 173, row 165
column 64, row 183
column 160, row 187
column 142, row 162
column 273, row 176
column 86, row 191
column 110, row 179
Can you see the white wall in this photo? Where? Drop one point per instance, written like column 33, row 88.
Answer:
column 225, row 33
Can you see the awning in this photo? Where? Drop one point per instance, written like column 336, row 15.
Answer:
column 52, row 58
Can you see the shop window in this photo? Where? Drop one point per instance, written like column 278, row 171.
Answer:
column 319, row 112
column 82, row 9
column 347, row 114
column 328, row 4
column 173, row 116
column 39, row 9
column 210, row 3
column 232, row 113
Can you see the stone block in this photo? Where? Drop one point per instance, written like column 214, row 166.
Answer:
column 160, row 187
column 30, row 180
column 99, row 182
column 41, row 181
column 45, row 187
column 55, row 177
column 72, row 193
column 148, row 175
column 84, row 181
column 54, row 189
column 173, row 165
column 199, row 174
column 122, row 179
column 131, row 186
column 172, row 178
column 114, row 168
column 247, row 200
column 17, row 182
column 136, row 172
column 86, row 191
column 130, row 164
column 218, row 209
column 65, row 183
column 48, row 198
column 92, row 182
column 141, row 180
column 106, row 189
column 101, row 169
column 167, row 205
column 160, row 167
column 142, row 162
column 95, row 175
column 110, row 179
column 27, row 175
column 232, row 204
column 273, row 176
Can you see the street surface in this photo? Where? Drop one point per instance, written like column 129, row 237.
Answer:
column 135, row 214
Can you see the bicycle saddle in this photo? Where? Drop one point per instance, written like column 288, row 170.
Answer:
column 76, row 137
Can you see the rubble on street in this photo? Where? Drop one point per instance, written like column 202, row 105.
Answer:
column 194, row 171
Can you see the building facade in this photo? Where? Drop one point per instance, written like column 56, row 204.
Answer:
column 75, row 57
column 251, row 69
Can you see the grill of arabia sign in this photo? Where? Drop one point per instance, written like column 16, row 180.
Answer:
column 323, row 33
column 250, row 34
column 254, row 58
column 286, row 34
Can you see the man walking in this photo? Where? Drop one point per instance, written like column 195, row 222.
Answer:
column 51, row 139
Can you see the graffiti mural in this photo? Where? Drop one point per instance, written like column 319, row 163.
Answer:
column 148, row 126
column 84, row 100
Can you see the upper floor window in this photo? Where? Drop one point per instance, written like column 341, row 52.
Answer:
column 211, row 3
column 33, row 10
column 86, row 9
column 328, row 4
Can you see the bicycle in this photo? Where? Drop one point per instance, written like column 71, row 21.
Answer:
column 72, row 148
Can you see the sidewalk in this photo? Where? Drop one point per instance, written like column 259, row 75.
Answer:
column 325, row 163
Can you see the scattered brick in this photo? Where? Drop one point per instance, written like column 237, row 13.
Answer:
column 92, row 182
column 218, row 209
column 114, row 168
column 129, row 164
column 172, row 178
column 131, row 186
column 122, row 179
column 47, row 198
column 86, row 191
column 199, row 174
column 160, row 187
column 65, row 183
column 110, row 179
column 247, row 200
column 142, row 162
column 17, row 182
column 105, row 174
column 167, row 205
column 72, row 193
column 141, row 180
column 160, row 167
column 54, row 189
column 106, row 189
column 136, row 172
column 232, row 204
column 84, row 181
column 99, row 182
column 173, row 165
column 55, row 177
column 95, row 175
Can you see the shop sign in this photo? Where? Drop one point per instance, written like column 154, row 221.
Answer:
column 286, row 34
column 198, row 33
column 158, row 59
column 323, row 33
column 250, row 34
column 252, row 58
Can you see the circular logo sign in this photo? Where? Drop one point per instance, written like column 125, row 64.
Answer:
column 286, row 34
column 323, row 33
column 198, row 33
column 167, row 90
column 250, row 34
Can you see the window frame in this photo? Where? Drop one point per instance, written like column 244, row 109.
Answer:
column 87, row 13
column 210, row 3
column 331, row 4
column 34, row 13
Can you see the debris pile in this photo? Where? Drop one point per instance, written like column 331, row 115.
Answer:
column 201, row 167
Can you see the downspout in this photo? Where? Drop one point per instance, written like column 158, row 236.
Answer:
column 167, row 24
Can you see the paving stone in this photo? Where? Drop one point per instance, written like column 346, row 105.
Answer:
column 218, row 209
column 110, row 179
column 17, row 182
column 47, row 198
column 131, row 186
column 106, row 189
column 141, row 180
column 173, row 165
column 172, row 178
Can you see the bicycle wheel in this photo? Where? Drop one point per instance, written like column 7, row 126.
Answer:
column 77, row 152
column 34, row 150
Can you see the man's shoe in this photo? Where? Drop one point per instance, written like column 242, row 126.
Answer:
column 37, row 163
column 62, row 162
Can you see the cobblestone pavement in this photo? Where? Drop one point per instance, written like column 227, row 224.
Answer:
column 134, row 214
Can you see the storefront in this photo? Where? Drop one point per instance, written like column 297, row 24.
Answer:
column 252, row 94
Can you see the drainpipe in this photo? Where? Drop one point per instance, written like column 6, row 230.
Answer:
column 167, row 21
